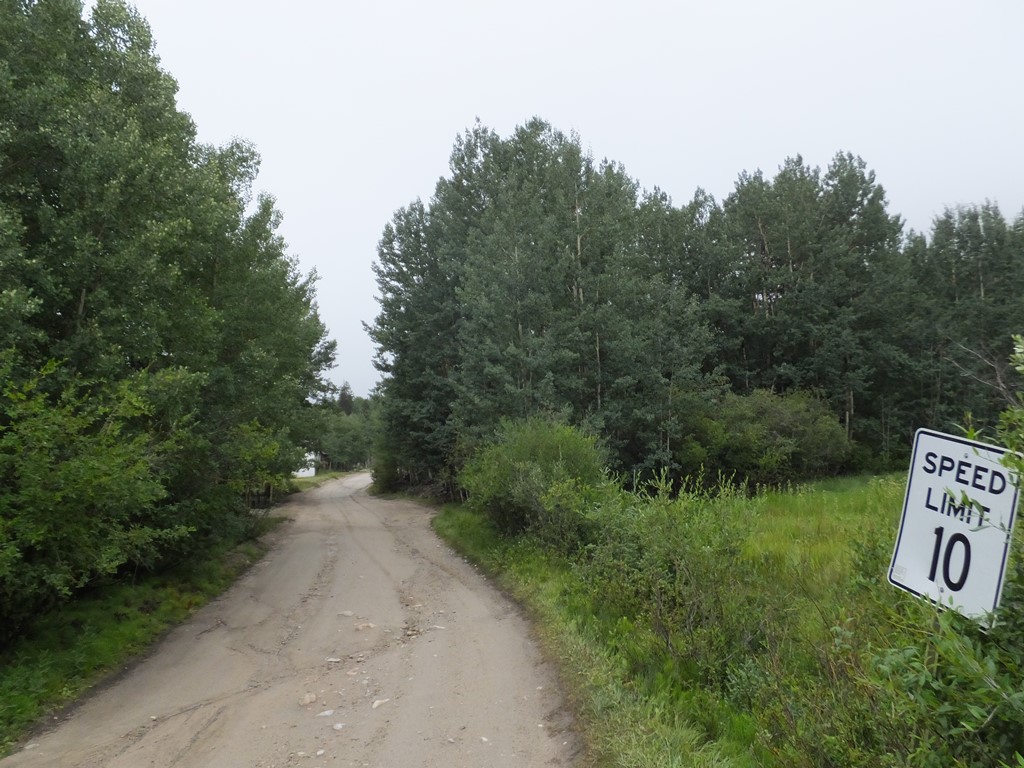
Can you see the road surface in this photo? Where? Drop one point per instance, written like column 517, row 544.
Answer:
column 360, row 640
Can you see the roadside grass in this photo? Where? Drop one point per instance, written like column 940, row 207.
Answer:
column 72, row 648
column 804, row 543
column 625, row 718
column 639, row 698
column 299, row 484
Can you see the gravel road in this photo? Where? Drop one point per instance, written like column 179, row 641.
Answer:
column 360, row 640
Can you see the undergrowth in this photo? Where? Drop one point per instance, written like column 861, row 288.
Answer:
column 710, row 628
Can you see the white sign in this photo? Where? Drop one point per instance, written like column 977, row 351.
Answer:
column 957, row 522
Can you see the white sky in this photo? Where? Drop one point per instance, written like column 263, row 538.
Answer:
column 355, row 106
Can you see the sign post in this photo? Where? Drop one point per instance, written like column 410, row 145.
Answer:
column 957, row 522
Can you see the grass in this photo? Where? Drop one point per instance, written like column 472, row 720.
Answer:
column 804, row 541
column 622, row 723
column 78, row 644
column 640, row 704
column 321, row 477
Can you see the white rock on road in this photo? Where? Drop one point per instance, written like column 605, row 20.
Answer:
column 221, row 690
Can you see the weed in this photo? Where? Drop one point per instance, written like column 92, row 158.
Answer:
column 715, row 629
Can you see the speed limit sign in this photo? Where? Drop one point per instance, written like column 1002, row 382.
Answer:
column 957, row 523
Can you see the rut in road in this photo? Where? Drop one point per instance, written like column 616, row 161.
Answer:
column 360, row 640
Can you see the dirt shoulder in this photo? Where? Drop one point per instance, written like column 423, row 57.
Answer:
column 361, row 639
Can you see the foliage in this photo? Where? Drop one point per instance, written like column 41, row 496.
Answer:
column 82, row 493
column 532, row 478
column 538, row 281
column 962, row 690
column 159, row 347
column 653, row 564
column 1011, row 422
column 521, row 291
column 765, row 620
column 770, row 439
column 347, row 429
column 414, row 335
column 257, row 459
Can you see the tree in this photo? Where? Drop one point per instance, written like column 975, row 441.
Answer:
column 515, row 295
column 973, row 270
column 539, row 282
column 523, row 284
column 159, row 348
column 416, row 351
column 806, row 250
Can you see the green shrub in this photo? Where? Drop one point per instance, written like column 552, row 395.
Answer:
column 956, row 691
column 959, row 688
column 80, row 494
column 674, row 563
column 768, row 439
column 536, row 476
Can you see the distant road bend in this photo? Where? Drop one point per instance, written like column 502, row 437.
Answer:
column 360, row 640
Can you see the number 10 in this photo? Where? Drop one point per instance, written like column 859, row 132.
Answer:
column 956, row 538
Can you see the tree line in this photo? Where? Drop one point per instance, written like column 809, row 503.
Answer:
column 346, row 425
column 791, row 330
column 158, row 346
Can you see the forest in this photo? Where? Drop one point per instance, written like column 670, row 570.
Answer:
column 720, row 597
column 793, row 330
column 159, row 349
column 161, row 355
column 543, row 319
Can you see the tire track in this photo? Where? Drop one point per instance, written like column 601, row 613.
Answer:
column 359, row 640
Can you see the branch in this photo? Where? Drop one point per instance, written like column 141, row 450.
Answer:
column 999, row 372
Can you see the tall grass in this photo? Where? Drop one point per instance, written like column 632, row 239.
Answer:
column 716, row 629
column 623, row 722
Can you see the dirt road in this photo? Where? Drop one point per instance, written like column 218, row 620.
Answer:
column 360, row 640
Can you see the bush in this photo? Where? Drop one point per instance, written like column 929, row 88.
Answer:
column 768, row 439
column 962, row 687
column 80, row 494
column 673, row 564
column 536, row 476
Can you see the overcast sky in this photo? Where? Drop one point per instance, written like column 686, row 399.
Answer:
column 355, row 106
